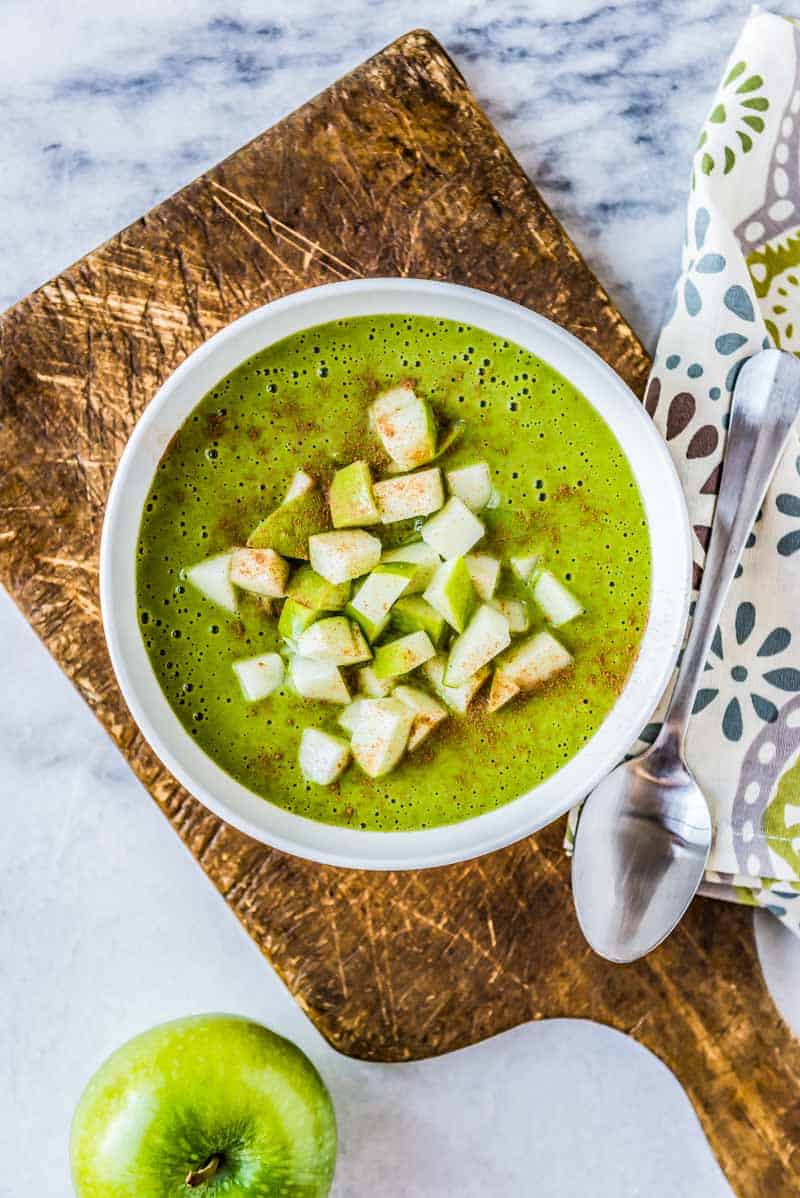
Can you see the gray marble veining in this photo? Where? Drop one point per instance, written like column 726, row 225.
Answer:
column 106, row 925
column 109, row 108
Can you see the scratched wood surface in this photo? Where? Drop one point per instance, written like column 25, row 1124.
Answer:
column 394, row 170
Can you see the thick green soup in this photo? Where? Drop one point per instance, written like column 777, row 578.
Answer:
column 562, row 491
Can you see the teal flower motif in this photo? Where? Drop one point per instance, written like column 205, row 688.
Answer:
column 699, row 264
column 789, row 505
column 743, row 679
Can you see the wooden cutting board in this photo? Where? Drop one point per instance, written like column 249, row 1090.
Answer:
column 393, row 170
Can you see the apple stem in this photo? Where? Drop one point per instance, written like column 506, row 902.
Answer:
column 196, row 1177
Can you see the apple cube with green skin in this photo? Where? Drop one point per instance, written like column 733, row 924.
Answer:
column 409, row 496
column 558, row 604
column 453, row 531
column 452, row 594
column 472, row 485
column 534, row 661
column 371, row 605
column 412, row 613
column 515, row 611
column 319, row 680
column 403, row 655
column 211, row 1104
column 484, row 570
column 343, row 555
column 301, row 482
column 295, row 619
column 427, row 713
column 371, row 685
column 287, row 530
column 336, row 640
column 380, row 735
column 501, row 691
column 314, row 591
column 486, row 635
column 426, row 560
column 260, row 571
column 351, row 497
column 405, row 426
column 457, row 698
column 524, row 567
column 322, row 758
column 450, row 437
column 259, row 676
column 212, row 579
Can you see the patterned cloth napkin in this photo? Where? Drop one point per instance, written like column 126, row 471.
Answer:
column 739, row 290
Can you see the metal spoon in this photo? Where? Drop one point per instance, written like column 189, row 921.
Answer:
column 645, row 832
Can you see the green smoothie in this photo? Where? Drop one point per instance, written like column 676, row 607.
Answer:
column 562, row 489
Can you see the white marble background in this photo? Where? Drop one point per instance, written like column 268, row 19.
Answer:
column 106, row 925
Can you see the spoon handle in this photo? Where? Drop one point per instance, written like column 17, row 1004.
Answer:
column 766, row 401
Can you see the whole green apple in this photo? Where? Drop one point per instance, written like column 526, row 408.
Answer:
column 212, row 1105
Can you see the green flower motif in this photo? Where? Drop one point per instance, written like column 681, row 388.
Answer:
column 775, row 272
column 738, row 110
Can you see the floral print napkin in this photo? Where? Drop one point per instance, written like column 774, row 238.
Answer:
column 739, row 290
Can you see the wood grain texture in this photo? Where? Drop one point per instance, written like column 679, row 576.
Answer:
column 394, row 170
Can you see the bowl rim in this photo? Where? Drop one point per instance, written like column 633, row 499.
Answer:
column 671, row 558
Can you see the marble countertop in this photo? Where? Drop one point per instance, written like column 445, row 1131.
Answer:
column 107, row 925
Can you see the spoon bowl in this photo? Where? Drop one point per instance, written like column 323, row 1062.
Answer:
column 655, row 851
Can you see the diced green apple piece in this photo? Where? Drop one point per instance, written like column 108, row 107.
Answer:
column 351, row 497
column 450, row 437
column 524, row 567
column 259, row 676
column 427, row 713
column 457, row 698
column 318, row 680
column 426, row 560
column 558, row 604
column 212, row 579
column 452, row 531
column 334, row 639
column 412, row 613
column 288, row 529
column 403, row 655
column 534, row 661
column 349, row 717
column 410, row 495
column 486, row 635
column 340, row 556
column 452, row 594
column 295, row 618
column 314, row 591
column 323, row 758
column 484, row 570
column 301, row 482
column 472, row 485
column 260, row 571
column 502, row 690
column 372, row 602
column 515, row 611
column 380, row 735
column 405, row 425
column 371, row 685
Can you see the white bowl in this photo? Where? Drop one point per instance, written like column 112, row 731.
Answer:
column 670, row 549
